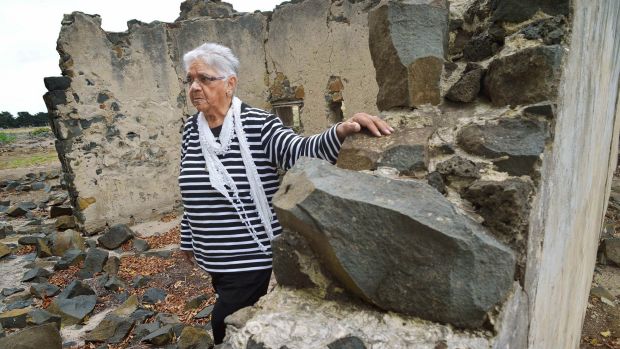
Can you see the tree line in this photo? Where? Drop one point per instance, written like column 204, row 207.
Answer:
column 23, row 119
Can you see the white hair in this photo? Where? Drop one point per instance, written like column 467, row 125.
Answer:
column 218, row 57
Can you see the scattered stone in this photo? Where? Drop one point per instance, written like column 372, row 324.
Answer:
column 36, row 274
column 36, row 337
column 4, row 250
column 112, row 265
column 466, row 89
column 195, row 302
column 140, row 245
column 460, row 285
column 71, row 257
column 112, row 329
column 204, row 312
column 526, row 77
column 162, row 253
column 160, row 337
column 74, row 303
column 5, row 229
column 14, row 318
column 404, row 150
column 114, row 284
column 43, row 248
column 28, row 205
column 115, row 236
column 603, row 294
column 57, row 83
column 69, row 239
column 58, row 211
column 167, row 319
column 11, row 291
column 521, row 10
column 153, row 295
column 33, row 222
column 612, row 250
column 347, row 343
column 94, row 262
column 16, row 211
column 144, row 330
column 140, row 281
column 41, row 316
column 65, row 222
column 408, row 42
column 44, row 290
column 514, row 144
column 195, row 338
column 27, row 230
column 128, row 307
column 30, row 240
column 141, row 315
column 37, row 185
column 19, row 304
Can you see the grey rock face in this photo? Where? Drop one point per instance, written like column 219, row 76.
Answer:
column 408, row 41
column 37, row 337
column 458, row 172
column 525, row 77
column 41, row 316
column 520, row 10
column 200, row 8
column 16, row 211
column 421, row 258
column 520, row 140
column 67, row 240
column 115, row 236
column 550, row 30
column 74, row 303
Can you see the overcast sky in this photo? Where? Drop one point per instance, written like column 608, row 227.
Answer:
column 29, row 29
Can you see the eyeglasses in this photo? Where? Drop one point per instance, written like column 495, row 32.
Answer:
column 202, row 79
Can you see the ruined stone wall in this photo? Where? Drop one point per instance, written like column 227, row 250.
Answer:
column 516, row 124
column 120, row 104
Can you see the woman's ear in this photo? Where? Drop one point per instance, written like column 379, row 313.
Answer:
column 231, row 83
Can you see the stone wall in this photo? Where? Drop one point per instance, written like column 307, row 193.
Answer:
column 120, row 104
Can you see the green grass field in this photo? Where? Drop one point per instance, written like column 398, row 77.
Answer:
column 28, row 160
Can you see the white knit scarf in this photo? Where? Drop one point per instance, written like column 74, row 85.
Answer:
column 222, row 181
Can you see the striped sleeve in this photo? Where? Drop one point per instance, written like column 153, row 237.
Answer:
column 284, row 147
column 186, row 232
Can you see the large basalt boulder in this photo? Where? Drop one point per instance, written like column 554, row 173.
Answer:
column 528, row 76
column 112, row 329
column 514, row 145
column 408, row 41
column 37, row 337
column 397, row 244
column 405, row 150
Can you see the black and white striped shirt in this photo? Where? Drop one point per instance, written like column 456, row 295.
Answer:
column 211, row 227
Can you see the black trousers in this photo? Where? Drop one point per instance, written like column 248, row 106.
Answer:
column 235, row 291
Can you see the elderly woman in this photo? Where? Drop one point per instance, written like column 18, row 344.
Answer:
column 229, row 158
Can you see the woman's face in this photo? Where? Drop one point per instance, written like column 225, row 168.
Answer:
column 208, row 89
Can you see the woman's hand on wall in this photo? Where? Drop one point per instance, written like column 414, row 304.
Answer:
column 358, row 121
